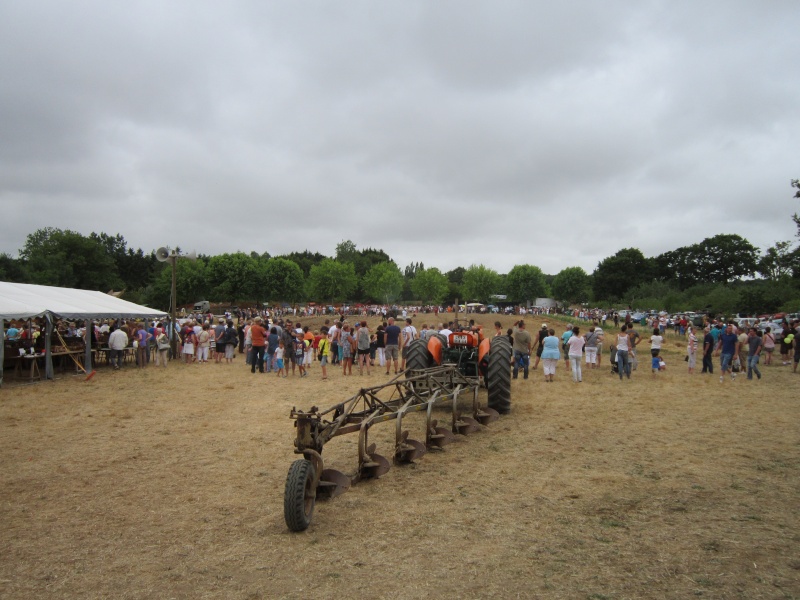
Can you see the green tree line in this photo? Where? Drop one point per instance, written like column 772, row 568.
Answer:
column 723, row 273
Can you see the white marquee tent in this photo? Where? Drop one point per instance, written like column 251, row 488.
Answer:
column 25, row 301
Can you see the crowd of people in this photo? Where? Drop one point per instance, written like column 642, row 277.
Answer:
column 739, row 349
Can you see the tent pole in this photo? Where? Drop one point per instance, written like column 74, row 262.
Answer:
column 48, row 346
column 87, row 358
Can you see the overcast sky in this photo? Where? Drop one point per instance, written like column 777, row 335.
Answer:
column 447, row 132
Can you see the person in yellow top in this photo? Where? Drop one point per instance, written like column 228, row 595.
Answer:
column 323, row 349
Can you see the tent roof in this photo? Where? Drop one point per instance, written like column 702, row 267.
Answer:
column 25, row 301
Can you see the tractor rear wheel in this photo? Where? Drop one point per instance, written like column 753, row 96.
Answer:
column 300, row 495
column 498, row 375
column 417, row 356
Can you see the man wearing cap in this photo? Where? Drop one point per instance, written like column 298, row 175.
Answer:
column 540, row 344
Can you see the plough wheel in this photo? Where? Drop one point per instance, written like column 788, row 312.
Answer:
column 498, row 375
column 418, row 356
column 300, row 495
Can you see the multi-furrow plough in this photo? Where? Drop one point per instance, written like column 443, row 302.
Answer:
column 418, row 390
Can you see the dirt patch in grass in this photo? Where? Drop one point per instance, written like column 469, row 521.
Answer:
column 169, row 483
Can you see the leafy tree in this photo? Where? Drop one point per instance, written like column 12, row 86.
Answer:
column 430, row 285
column 571, row 285
column 68, row 259
column 332, row 280
column 456, row 275
column 12, row 269
column 135, row 268
column 190, row 284
column 726, row 257
column 778, row 261
column 719, row 259
column 305, row 260
column 383, row 282
column 284, row 280
column 480, row 283
column 346, row 251
column 615, row 275
column 235, row 277
column 526, row 282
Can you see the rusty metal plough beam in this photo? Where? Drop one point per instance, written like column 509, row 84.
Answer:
column 416, row 391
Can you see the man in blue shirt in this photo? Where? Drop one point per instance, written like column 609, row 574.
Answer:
column 729, row 346
column 392, row 349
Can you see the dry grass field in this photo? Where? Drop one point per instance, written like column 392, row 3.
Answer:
column 168, row 483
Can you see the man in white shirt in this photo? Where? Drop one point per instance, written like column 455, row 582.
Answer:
column 117, row 342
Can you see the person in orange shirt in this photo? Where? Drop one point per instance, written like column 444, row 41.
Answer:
column 259, row 337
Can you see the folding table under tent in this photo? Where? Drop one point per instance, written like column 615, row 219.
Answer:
column 26, row 301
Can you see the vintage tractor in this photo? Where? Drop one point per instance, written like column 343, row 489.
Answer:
column 439, row 372
column 485, row 359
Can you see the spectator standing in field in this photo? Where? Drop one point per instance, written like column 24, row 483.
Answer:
column 392, row 345
column 117, row 342
column 575, row 350
column 768, row 341
column 691, row 349
column 162, row 346
column 754, row 346
column 346, row 345
column 189, row 343
column 323, row 348
column 796, row 344
column 564, row 339
column 708, row 351
column 362, row 344
column 409, row 335
column 258, row 340
column 380, row 345
column 550, row 355
column 281, row 368
column 540, row 344
column 300, row 351
column 272, row 346
column 655, row 342
column 203, row 344
column 590, row 340
column 231, row 341
column 743, row 349
column 623, row 347
column 143, row 340
column 728, row 347
column 600, row 334
column 522, row 350
column 219, row 341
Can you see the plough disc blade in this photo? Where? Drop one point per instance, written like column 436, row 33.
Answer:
column 332, row 483
column 484, row 416
column 376, row 466
column 439, row 436
column 409, row 451
column 465, row 425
